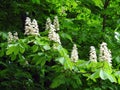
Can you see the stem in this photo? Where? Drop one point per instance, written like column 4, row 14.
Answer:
column 104, row 15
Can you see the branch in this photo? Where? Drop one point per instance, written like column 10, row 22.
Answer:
column 104, row 15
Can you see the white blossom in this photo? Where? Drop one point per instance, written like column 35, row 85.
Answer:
column 12, row 37
column 93, row 56
column 74, row 54
column 35, row 28
column 56, row 23
column 48, row 23
column 15, row 36
column 105, row 53
column 28, row 21
column 52, row 28
column 31, row 28
column 28, row 27
column 53, row 35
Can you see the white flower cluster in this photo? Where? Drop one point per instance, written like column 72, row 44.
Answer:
column 13, row 37
column 31, row 28
column 53, row 35
column 74, row 54
column 105, row 53
column 48, row 23
column 93, row 56
column 55, row 23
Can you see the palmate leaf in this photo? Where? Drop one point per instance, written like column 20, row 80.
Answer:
column 14, row 49
column 63, row 52
column 105, row 75
column 94, row 75
column 100, row 73
column 39, row 59
column 10, row 50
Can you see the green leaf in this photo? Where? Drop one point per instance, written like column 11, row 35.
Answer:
column 94, row 75
column 118, row 80
column 36, row 1
column 46, row 47
column 16, row 50
column 41, row 41
column 2, row 52
column 77, row 80
column 66, row 36
column 58, row 81
column 98, row 3
column 63, row 52
column 13, row 57
column 21, row 48
column 13, row 49
column 117, row 75
column 104, row 75
column 10, row 50
column 61, row 60
column 112, row 78
column 39, row 59
column 34, row 48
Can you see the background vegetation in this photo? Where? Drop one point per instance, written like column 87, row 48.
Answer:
column 25, row 65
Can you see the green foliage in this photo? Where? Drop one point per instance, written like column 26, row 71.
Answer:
column 53, row 65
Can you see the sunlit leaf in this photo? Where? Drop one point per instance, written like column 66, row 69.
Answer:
column 46, row 47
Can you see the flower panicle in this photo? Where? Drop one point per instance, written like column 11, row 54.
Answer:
column 12, row 37
column 56, row 23
column 74, row 54
column 31, row 27
column 105, row 53
column 48, row 24
column 93, row 56
column 53, row 36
